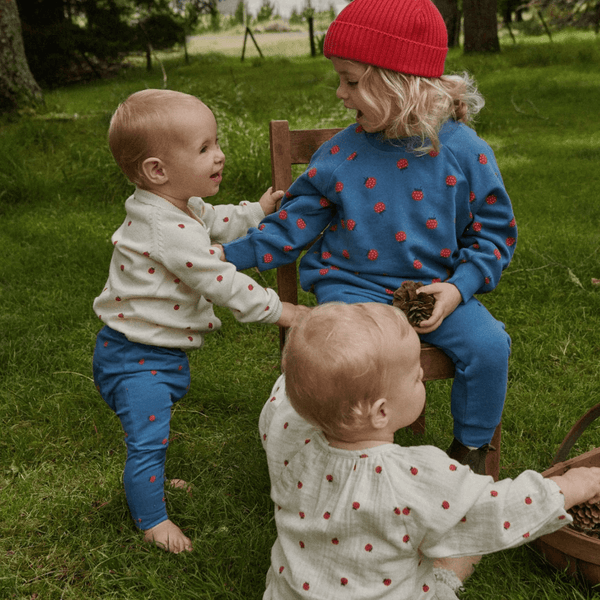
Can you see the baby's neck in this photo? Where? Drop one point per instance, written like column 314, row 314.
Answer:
column 360, row 444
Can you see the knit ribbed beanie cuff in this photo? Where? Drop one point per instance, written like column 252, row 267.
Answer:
column 408, row 36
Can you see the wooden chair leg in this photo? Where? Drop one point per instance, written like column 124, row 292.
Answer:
column 492, row 462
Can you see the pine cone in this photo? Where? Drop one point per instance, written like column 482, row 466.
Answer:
column 417, row 307
column 586, row 517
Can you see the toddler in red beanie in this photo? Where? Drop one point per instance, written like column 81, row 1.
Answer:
column 409, row 192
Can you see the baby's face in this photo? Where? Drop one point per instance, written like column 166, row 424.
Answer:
column 194, row 160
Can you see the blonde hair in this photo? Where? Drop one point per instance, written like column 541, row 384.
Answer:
column 143, row 126
column 412, row 106
column 336, row 364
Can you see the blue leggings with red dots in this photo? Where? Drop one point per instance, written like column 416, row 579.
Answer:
column 141, row 383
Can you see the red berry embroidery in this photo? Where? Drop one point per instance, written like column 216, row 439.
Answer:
column 378, row 470
column 512, row 223
column 406, row 539
column 528, row 500
column 152, row 418
column 335, row 149
column 510, row 241
column 350, row 224
column 305, row 586
column 281, row 569
column 267, row 258
column 476, row 226
column 425, row 588
column 453, row 467
column 370, row 183
column 326, row 255
column 312, row 172
column 300, row 485
column 335, row 541
column 355, row 505
column 431, row 224
column 387, row 582
column 450, row 181
column 417, row 195
column 406, row 511
column 152, row 270
column 301, row 544
column 482, row 159
column 287, row 248
column 497, row 253
column 445, row 505
column 379, row 207
column 373, row 255
column 345, row 254
column 445, row 253
column 418, row 264
column 152, row 479
column 414, row 470
column 433, row 153
column 181, row 226
column 369, row 547
column 329, row 478
column 402, row 164
column 339, row 186
column 494, row 494
column 343, row 581
column 324, row 202
column 472, row 197
column 327, row 515
column 283, row 214
column 219, row 278
column 526, row 535
column 506, row 525
column 301, row 514
column 491, row 199
column 189, row 265
column 301, row 223
column 401, row 236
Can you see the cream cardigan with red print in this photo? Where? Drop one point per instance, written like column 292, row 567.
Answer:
column 164, row 276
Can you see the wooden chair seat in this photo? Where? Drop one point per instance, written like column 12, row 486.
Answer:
column 296, row 147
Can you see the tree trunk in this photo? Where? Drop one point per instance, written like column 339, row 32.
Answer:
column 452, row 17
column 481, row 26
column 18, row 88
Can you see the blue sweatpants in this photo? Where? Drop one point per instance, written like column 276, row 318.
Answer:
column 141, row 383
column 479, row 347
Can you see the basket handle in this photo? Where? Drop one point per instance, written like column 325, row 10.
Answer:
column 575, row 433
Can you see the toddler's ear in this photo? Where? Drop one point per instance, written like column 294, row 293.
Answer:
column 378, row 415
column 154, row 171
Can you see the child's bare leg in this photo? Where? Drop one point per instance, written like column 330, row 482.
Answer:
column 169, row 537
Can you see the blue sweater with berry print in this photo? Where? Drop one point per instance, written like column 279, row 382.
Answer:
column 388, row 215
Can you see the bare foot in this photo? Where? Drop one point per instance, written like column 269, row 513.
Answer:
column 168, row 536
column 463, row 567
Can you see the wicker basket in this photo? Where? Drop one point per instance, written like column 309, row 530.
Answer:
column 567, row 549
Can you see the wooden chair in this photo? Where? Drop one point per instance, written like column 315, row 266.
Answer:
column 295, row 147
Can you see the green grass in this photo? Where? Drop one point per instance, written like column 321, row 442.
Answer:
column 65, row 531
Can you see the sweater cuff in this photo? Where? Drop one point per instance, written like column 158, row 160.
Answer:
column 468, row 279
column 240, row 253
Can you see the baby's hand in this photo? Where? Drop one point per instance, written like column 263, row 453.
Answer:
column 222, row 250
column 291, row 313
column 447, row 298
column 269, row 200
column 580, row 485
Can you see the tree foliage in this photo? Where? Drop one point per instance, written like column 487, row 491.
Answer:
column 67, row 40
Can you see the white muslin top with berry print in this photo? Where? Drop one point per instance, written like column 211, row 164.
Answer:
column 164, row 276
column 350, row 524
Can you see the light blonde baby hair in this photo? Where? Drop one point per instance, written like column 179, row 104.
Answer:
column 143, row 126
column 413, row 106
column 337, row 362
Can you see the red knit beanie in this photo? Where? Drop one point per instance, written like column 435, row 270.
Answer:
column 408, row 36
